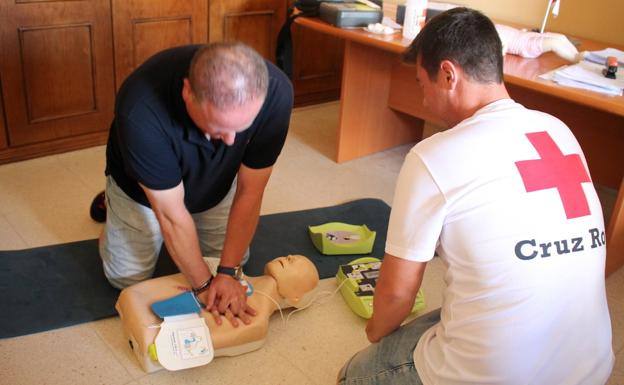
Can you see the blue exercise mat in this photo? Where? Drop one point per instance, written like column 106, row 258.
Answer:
column 62, row 285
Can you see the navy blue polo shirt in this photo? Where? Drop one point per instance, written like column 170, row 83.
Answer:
column 153, row 141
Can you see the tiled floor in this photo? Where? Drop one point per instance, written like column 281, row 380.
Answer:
column 46, row 200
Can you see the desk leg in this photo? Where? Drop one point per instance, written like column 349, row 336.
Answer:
column 615, row 234
column 367, row 124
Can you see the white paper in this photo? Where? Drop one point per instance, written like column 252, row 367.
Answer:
column 600, row 57
column 587, row 75
column 184, row 342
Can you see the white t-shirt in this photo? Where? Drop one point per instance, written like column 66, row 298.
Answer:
column 506, row 200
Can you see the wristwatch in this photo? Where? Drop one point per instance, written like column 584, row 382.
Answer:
column 234, row 272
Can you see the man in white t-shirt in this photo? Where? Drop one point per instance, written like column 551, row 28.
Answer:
column 506, row 200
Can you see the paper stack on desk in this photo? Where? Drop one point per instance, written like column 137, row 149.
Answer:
column 600, row 57
column 587, row 75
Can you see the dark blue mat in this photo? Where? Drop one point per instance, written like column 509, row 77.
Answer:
column 62, row 285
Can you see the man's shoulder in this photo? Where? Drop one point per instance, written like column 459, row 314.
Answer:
column 280, row 85
column 490, row 123
column 280, row 93
column 149, row 87
column 490, row 130
column 276, row 74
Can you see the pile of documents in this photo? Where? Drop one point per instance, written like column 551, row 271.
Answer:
column 600, row 57
column 588, row 73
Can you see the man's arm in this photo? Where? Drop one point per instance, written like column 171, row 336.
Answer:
column 179, row 232
column 395, row 292
column 224, row 291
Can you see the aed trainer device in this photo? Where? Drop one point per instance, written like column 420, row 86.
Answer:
column 349, row 15
column 359, row 290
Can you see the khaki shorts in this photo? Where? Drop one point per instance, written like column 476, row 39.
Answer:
column 132, row 238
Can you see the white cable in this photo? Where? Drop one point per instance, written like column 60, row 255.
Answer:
column 331, row 294
column 275, row 302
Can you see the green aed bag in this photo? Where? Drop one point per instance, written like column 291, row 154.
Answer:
column 359, row 289
column 337, row 238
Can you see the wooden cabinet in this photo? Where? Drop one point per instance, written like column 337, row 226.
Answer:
column 63, row 60
column 143, row 27
column 56, row 68
column 3, row 140
column 255, row 23
column 317, row 65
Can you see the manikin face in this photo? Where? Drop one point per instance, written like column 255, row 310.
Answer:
column 295, row 276
column 220, row 124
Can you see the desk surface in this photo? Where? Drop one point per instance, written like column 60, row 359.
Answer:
column 518, row 71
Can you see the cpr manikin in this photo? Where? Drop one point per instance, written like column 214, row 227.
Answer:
column 532, row 44
column 288, row 281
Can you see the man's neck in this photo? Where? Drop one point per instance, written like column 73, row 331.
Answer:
column 474, row 96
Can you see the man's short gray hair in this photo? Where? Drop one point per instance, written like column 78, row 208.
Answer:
column 228, row 74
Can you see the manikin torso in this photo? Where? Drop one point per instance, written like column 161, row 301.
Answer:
column 288, row 280
column 226, row 339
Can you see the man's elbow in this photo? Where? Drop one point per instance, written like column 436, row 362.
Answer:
column 394, row 296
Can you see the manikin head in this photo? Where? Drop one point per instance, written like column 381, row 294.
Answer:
column 225, row 89
column 459, row 61
column 296, row 278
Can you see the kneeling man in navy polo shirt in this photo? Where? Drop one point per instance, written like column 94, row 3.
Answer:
column 196, row 132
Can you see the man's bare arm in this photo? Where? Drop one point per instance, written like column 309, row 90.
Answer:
column 179, row 232
column 225, row 292
column 395, row 292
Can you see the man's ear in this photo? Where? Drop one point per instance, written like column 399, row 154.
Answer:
column 449, row 74
column 187, row 91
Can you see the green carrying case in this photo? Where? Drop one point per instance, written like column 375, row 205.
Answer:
column 337, row 238
column 358, row 290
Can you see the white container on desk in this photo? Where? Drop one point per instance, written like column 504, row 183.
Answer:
column 415, row 15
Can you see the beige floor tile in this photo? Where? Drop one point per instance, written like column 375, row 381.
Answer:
column 87, row 165
column 261, row 367
column 110, row 331
column 46, row 203
column 223, row 370
column 73, row 355
column 220, row 371
column 316, row 126
column 9, row 238
column 321, row 338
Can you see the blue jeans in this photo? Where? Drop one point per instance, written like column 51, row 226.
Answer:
column 391, row 360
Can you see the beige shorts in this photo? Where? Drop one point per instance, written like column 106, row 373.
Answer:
column 132, row 238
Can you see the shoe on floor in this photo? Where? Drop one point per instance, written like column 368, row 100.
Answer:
column 98, row 208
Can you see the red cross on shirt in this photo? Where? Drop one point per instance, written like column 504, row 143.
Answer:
column 555, row 170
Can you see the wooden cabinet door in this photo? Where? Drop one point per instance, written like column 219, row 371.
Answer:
column 145, row 27
column 56, row 66
column 317, row 65
column 253, row 22
column 3, row 139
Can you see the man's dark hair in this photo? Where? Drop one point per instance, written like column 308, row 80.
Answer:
column 464, row 36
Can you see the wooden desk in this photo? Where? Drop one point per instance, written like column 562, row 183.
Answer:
column 381, row 107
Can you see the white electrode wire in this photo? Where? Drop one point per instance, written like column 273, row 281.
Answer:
column 313, row 302
column 275, row 302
